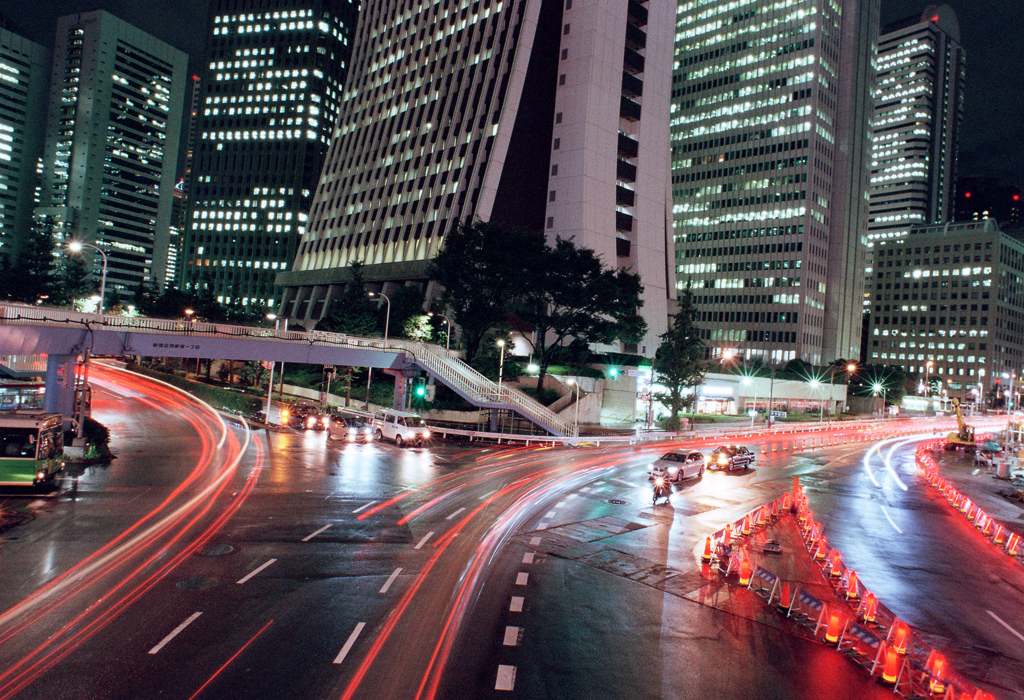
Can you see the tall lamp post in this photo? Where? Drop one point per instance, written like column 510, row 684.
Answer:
column 76, row 248
column 1009, row 392
column 270, row 385
column 876, row 389
column 815, row 385
column 981, row 388
column 576, row 414
column 448, row 323
column 387, row 320
column 927, row 377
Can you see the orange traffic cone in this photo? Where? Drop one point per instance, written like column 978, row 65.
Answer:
column 999, row 535
column 760, row 517
column 938, row 682
column 784, row 599
column 832, row 632
column 869, row 608
column 900, row 641
column 822, row 546
column 1013, row 545
column 931, row 661
column 892, row 666
column 745, row 572
column 727, row 536
column 834, row 564
column 785, row 502
column 775, row 510
column 746, row 524
column 851, row 587
column 706, row 556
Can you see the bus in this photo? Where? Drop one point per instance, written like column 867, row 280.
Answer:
column 31, row 447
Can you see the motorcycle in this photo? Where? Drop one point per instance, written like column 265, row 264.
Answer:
column 662, row 489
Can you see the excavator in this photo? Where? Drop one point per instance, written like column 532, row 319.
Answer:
column 965, row 437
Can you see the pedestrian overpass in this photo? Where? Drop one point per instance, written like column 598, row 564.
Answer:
column 65, row 336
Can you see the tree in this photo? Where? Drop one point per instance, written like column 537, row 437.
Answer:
column 678, row 363
column 253, row 373
column 352, row 312
column 72, row 282
column 482, row 268
column 406, row 311
column 36, row 268
column 568, row 295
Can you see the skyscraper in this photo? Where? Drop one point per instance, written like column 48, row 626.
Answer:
column 24, row 71
column 919, row 102
column 770, row 133
column 270, row 97
column 112, row 133
column 550, row 115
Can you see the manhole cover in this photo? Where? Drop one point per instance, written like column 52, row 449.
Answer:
column 215, row 550
column 197, row 583
column 617, row 501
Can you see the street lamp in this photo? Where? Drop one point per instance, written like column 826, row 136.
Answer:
column 270, row 386
column 927, row 377
column 981, row 388
column 1009, row 392
column 448, row 322
column 387, row 320
column 501, row 363
column 875, row 389
column 76, row 248
column 576, row 413
column 816, row 384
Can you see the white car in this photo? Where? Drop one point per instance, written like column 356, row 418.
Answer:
column 349, row 428
column 404, row 428
column 676, row 466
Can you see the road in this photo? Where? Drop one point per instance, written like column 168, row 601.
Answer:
column 368, row 571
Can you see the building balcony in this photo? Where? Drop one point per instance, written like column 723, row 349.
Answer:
column 623, row 222
column 625, row 171
column 632, row 86
column 633, row 61
column 636, row 38
column 637, row 14
column 629, row 109
column 624, row 197
column 628, row 146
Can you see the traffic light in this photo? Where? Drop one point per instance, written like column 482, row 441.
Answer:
column 421, row 391
column 613, row 372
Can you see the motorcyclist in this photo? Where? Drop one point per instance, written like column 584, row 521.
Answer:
column 661, row 490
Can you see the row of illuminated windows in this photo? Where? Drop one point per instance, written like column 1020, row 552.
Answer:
column 741, row 216
column 774, row 10
column 257, row 264
column 717, row 252
column 762, row 166
column 259, row 135
column 294, row 14
column 269, row 228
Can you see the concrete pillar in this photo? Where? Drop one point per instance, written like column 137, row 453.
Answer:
column 60, row 386
column 401, row 381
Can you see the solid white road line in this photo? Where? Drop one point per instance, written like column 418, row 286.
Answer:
column 455, row 513
column 424, row 540
column 517, row 603
column 177, row 630
column 528, row 558
column 348, row 645
column 488, row 495
column 511, row 637
column 364, row 507
column 391, row 579
column 521, row 578
column 506, row 678
column 255, row 571
column 310, row 536
column 1000, row 621
column 534, row 541
column 885, row 512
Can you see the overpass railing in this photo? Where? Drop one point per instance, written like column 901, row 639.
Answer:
column 441, row 363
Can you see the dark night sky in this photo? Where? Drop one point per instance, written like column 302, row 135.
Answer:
column 993, row 134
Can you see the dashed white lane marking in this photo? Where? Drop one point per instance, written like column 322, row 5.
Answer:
column 177, row 630
column 455, row 513
column 885, row 512
column 534, row 541
column 391, row 579
column 559, row 504
column 348, row 644
column 620, row 481
column 255, row 571
column 549, row 514
column 521, row 578
column 511, row 637
column 311, row 535
column 543, row 525
column 585, row 489
column 424, row 540
column 364, row 506
column 1000, row 621
column 517, row 603
column 528, row 558
column 488, row 495
column 506, row 678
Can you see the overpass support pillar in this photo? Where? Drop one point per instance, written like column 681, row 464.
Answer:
column 60, row 385
column 401, row 387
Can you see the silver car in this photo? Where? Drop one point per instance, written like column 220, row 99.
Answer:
column 676, row 466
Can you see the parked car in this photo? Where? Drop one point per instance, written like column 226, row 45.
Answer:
column 404, row 428
column 730, row 457
column 678, row 465
column 348, row 428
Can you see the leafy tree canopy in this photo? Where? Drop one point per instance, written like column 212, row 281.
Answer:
column 352, row 312
column 679, row 361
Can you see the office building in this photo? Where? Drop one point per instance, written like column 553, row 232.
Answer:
column 951, row 295
column 112, row 132
column 24, row 72
column 548, row 115
column 770, row 134
column 919, row 103
column 270, row 96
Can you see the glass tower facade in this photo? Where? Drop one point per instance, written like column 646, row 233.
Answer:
column 270, row 97
column 770, row 126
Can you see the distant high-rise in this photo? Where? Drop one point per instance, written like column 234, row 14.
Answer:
column 270, row 96
column 919, row 103
column 24, row 72
column 112, row 132
column 551, row 115
column 985, row 197
column 770, row 133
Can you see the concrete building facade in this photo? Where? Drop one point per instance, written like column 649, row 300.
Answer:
column 24, row 71
column 112, row 130
column 270, row 96
column 546, row 114
column 770, row 133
